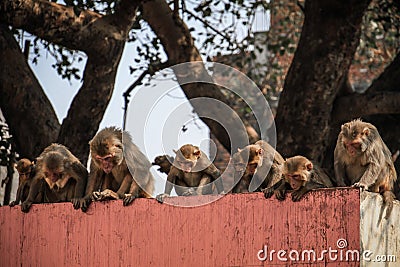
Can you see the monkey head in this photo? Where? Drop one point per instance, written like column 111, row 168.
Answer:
column 24, row 167
column 164, row 162
column 297, row 171
column 187, row 157
column 248, row 159
column 356, row 136
column 106, row 149
column 52, row 168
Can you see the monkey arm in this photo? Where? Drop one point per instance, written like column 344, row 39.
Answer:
column 298, row 194
column 370, row 175
column 242, row 186
column 18, row 198
column 268, row 192
column 125, row 186
column 202, row 188
column 280, row 192
column 169, row 184
column 34, row 190
column 80, row 174
column 216, row 177
column 340, row 172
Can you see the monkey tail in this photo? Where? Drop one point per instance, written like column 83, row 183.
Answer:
column 388, row 198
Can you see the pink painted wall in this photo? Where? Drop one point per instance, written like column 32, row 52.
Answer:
column 226, row 232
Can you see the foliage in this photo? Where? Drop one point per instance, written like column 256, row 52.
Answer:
column 7, row 154
column 379, row 44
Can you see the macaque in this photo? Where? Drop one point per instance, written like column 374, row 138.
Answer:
column 301, row 176
column 192, row 173
column 363, row 160
column 257, row 167
column 63, row 176
column 165, row 163
column 26, row 171
column 118, row 169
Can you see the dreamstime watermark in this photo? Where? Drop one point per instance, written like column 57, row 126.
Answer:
column 331, row 254
column 150, row 104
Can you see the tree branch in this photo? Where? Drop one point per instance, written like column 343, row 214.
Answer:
column 360, row 105
column 28, row 111
column 179, row 47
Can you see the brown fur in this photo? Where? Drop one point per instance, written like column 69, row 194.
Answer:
column 64, row 175
column 363, row 160
column 255, row 164
column 118, row 169
column 301, row 176
column 191, row 173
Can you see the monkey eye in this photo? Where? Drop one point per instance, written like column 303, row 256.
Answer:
column 354, row 133
column 186, row 163
column 106, row 158
column 295, row 177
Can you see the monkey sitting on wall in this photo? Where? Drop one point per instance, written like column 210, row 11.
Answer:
column 191, row 173
column 26, row 171
column 64, row 175
column 301, row 176
column 362, row 159
column 257, row 167
column 118, row 169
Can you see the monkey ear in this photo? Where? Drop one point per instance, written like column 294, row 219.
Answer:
column 366, row 131
column 309, row 166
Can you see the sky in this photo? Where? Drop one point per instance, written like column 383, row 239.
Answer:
column 169, row 112
column 156, row 114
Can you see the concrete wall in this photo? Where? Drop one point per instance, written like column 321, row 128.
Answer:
column 235, row 230
column 380, row 237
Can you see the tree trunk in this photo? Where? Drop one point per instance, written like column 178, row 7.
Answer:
column 28, row 112
column 179, row 47
column 328, row 41
column 102, row 38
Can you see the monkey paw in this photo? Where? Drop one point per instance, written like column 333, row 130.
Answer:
column 12, row 203
column 280, row 195
column 80, row 203
column 128, row 199
column 296, row 196
column 96, row 196
column 25, row 206
column 268, row 192
column 160, row 197
column 361, row 185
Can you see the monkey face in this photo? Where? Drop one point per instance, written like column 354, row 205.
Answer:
column 296, row 181
column 24, row 175
column 106, row 152
column 186, row 165
column 248, row 159
column 24, row 168
column 186, row 157
column 355, row 137
column 55, row 177
column 106, row 162
column 297, row 171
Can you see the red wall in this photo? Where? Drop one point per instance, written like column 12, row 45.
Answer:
column 226, row 232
